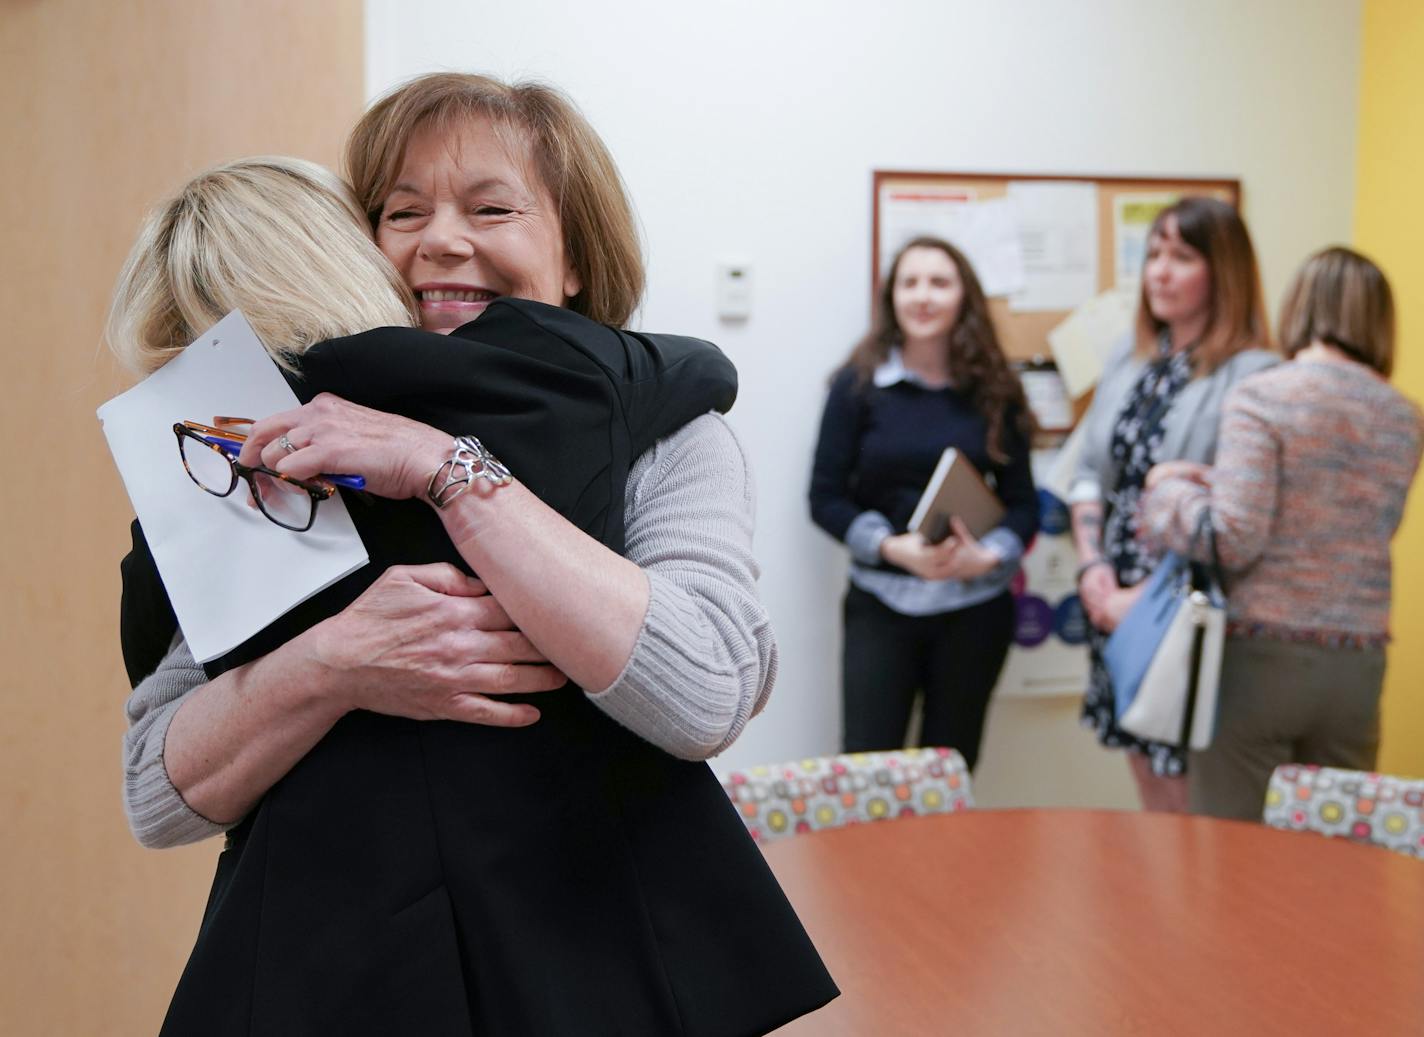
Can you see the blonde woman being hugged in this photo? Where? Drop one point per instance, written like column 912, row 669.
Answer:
column 1200, row 324
column 1315, row 462
column 921, row 618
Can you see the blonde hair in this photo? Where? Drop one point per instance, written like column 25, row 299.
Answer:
column 281, row 239
column 1238, row 313
column 596, row 217
column 1341, row 298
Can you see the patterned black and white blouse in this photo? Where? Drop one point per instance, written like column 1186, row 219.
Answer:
column 1136, row 442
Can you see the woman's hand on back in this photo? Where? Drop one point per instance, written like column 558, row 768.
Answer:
column 395, row 455
column 429, row 643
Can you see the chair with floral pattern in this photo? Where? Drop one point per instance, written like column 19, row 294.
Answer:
column 779, row 800
column 1368, row 808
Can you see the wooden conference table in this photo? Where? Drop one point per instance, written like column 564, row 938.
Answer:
column 1024, row 922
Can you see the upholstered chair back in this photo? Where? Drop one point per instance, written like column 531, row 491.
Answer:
column 779, row 800
column 1369, row 808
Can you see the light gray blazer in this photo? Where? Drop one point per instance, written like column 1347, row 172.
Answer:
column 1189, row 429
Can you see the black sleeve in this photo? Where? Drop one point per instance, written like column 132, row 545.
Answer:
column 672, row 379
column 837, row 450
column 1016, row 488
column 661, row 381
column 146, row 619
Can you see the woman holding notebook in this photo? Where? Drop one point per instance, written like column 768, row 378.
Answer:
column 924, row 616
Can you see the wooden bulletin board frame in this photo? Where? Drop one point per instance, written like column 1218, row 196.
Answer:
column 1025, row 335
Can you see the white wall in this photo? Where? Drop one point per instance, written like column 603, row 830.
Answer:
column 750, row 130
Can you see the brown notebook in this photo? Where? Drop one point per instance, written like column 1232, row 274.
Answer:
column 956, row 488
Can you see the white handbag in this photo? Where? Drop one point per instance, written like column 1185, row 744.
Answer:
column 1176, row 702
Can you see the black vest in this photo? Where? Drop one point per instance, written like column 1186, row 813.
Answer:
column 435, row 878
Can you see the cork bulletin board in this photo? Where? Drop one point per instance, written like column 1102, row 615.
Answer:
column 1074, row 236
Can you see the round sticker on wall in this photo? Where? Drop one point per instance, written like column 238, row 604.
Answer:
column 1033, row 621
column 1070, row 622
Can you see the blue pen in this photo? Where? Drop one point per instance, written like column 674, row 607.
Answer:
column 234, row 447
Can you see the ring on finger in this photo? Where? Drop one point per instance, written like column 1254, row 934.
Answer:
column 286, row 444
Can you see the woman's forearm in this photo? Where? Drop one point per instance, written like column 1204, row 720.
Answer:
column 705, row 659
column 424, row 642
column 579, row 603
column 156, row 812
column 233, row 738
column 1087, row 524
column 677, row 646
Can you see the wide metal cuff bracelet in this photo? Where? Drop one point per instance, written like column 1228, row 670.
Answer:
column 470, row 461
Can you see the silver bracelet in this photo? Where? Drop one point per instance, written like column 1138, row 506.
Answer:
column 469, row 461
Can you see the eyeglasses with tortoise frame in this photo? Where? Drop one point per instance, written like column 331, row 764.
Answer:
column 291, row 505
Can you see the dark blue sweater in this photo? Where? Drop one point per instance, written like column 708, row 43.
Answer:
column 879, row 446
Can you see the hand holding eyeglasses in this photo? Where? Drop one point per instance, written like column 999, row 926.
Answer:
column 395, row 455
column 210, row 456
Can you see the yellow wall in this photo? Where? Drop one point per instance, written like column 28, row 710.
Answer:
column 1389, row 226
column 103, row 108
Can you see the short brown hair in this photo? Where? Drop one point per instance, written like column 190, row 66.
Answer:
column 1342, row 299
column 596, row 217
column 1238, row 314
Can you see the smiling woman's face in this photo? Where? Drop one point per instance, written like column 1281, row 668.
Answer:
column 468, row 221
column 928, row 294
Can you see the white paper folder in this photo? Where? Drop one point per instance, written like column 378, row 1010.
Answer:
column 228, row 570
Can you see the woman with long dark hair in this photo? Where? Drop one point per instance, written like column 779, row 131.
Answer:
column 930, row 619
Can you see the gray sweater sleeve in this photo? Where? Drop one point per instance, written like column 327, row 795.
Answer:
column 703, row 663
column 157, row 814
column 705, row 658
column 1109, row 397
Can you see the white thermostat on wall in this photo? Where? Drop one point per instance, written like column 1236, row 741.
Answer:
column 734, row 290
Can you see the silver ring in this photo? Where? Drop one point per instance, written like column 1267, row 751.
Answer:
column 285, row 443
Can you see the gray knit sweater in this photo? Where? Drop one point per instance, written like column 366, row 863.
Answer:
column 702, row 666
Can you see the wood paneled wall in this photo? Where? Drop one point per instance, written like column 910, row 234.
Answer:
column 105, row 107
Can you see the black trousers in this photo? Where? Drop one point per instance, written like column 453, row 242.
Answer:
column 952, row 658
